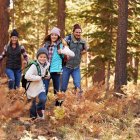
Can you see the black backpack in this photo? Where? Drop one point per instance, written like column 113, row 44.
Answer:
column 25, row 83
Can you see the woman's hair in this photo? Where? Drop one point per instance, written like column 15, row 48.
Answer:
column 48, row 38
column 10, row 43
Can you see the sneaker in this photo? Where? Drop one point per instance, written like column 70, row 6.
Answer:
column 59, row 102
column 79, row 94
column 33, row 118
column 41, row 114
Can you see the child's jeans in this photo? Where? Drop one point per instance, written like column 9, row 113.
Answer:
column 38, row 107
column 56, row 82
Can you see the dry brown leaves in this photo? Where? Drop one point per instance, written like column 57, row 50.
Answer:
column 91, row 115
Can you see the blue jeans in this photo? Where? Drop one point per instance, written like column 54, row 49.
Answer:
column 14, row 76
column 56, row 82
column 75, row 73
column 40, row 106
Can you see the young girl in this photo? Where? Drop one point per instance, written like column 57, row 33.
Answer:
column 56, row 49
column 13, row 52
column 36, row 87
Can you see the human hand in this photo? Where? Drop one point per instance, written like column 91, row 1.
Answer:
column 68, row 57
column 64, row 42
column 47, row 77
column 59, row 51
column 24, row 64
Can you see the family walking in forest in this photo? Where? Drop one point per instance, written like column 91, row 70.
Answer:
column 55, row 57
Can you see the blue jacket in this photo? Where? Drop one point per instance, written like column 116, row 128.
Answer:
column 56, row 62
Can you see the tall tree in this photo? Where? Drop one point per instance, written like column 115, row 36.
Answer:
column 47, row 13
column 4, row 24
column 61, row 16
column 102, row 16
column 121, row 50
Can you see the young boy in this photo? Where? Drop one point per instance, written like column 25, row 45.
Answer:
column 36, row 89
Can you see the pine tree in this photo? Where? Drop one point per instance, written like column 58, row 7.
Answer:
column 61, row 16
column 4, row 22
column 121, row 51
column 4, row 25
column 101, row 16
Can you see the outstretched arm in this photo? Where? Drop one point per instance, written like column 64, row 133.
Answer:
column 24, row 53
column 3, row 53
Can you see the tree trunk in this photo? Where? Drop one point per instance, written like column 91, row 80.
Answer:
column 99, row 76
column 110, row 32
column 108, row 78
column 61, row 16
column 4, row 26
column 121, row 50
column 47, row 13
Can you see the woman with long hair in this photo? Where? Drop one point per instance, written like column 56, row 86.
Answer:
column 57, row 48
column 13, row 51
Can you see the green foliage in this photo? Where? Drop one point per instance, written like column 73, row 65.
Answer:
column 98, row 19
column 29, row 17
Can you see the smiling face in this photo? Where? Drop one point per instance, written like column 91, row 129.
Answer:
column 54, row 37
column 42, row 58
column 14, row 39
column 77, row 33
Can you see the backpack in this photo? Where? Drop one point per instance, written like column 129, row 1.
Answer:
column 69, row 41
column 25, row 81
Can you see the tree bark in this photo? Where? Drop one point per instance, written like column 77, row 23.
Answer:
column 61, row 16
column 121, row 50
column 99, row 76
column 4, row 26
column 47, row 13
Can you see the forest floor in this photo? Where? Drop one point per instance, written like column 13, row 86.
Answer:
column 92, row 116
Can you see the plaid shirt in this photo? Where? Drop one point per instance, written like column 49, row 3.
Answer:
column 50, row 52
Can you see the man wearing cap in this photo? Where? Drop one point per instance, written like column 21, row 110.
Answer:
column 72, row 66
column 13, row 52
